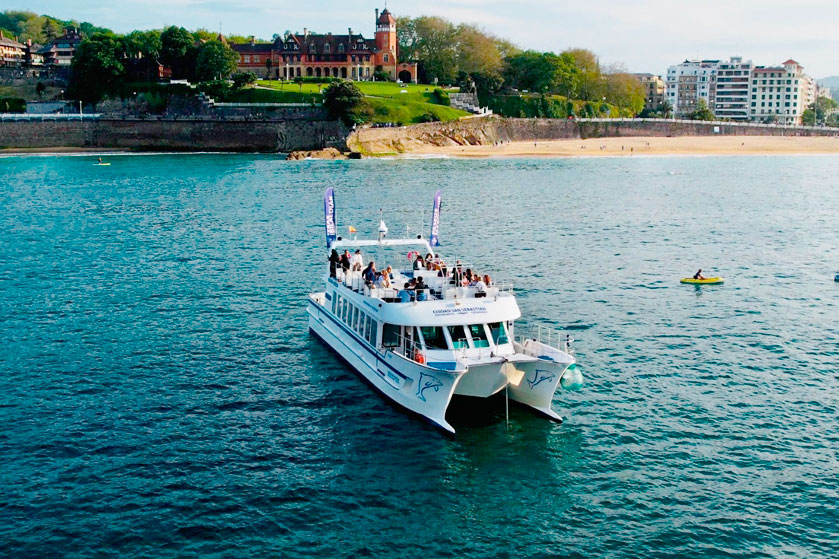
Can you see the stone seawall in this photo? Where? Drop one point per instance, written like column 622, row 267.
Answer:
column 175, row 135
column 487, row 131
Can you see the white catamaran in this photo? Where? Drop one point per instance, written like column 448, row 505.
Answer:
column 420, row 342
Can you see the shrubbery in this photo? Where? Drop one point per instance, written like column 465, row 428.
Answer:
column 12, row 105
column 241, row 79
column 441, row 97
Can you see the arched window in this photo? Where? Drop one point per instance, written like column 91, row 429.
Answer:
column 386, row 58
column 341, row 47
column 326, row 47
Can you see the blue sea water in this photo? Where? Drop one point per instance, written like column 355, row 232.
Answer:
column 160, row 395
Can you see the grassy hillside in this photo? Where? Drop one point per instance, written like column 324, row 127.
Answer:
column 384, row 101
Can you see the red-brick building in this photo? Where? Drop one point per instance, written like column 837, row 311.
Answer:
column 349, row 56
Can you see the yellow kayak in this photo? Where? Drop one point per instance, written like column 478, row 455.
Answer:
column 706, row 281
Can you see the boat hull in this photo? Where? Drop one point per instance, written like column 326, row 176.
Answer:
column 706, row 281
column 423, row 390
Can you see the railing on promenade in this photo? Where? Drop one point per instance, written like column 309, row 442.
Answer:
column 712, row 123
column 49, row 116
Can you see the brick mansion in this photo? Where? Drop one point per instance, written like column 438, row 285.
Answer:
column 349, row 56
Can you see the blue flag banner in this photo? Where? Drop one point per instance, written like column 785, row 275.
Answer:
column 434, row 240
column 329, row 217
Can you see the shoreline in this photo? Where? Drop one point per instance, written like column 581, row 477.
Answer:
column 629, row 146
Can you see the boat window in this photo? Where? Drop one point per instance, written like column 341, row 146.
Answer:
column 458, row 336
column 390, row 335
column 371, row 331
column 499, row 333
column 434, row 337
column 335, row 298
column 342, row 314
column 354, row 323
column 479, row 335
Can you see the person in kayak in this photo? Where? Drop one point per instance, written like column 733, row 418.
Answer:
column 698, row 275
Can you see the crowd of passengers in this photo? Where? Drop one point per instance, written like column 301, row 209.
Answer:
column 415, row 289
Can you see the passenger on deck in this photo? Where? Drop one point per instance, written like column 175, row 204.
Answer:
column 467, row 278
column 405, row 294
column 457, row 273
column 357, row 261
column 389, row 273
column 421, row 289
column 334, row 262
column 429, row 261
column 487, row 280
column 345, row 261
column 382, row 280
column 444, row 271
column 419, row 263
column 369, row 274
column 480, row 287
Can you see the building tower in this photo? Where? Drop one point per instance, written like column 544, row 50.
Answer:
column 386, row 40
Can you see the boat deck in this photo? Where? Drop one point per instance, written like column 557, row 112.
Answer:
column 439, row 287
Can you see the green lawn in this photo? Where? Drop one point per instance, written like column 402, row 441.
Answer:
column 386, row 100
column 408, row 112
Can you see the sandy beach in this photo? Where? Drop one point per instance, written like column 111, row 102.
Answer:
column 634, row 146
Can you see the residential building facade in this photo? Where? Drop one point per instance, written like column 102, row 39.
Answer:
column 314, row 55
column 780, row 94
column 12, row 53
column 655, row 89
column 689, row 82
column 60, row 51
column 731, row 89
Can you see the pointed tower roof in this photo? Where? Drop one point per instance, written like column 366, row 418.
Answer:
column 386, row 17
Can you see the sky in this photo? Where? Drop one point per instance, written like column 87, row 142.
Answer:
column 643, row 35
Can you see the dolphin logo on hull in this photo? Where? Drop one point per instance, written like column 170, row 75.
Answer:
column 424, row 383
column 540, row 376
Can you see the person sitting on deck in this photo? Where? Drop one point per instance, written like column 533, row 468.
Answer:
column 487, row 280
column 389, row 273
column 421, row 289
column 357, row 261
column 334, row 262
column 405, row 294
column 419, row 263
column 369, row 273
column 698, row 275
column 480, row 287
column 467, row 278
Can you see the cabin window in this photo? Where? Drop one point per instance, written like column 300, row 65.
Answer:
column 499, row 333
column 434, row 337
column 354, row 323
column 479, row 335
column 458, row 335
column 371, row 331
column 343, row 315
column 335, row 298
column 390, row 335
column 363, row 325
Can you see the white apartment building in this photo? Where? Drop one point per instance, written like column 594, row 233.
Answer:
column 731, row 97
column 690, row 81
column 780, row 93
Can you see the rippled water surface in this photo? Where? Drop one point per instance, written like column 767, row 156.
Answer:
column 160, row 394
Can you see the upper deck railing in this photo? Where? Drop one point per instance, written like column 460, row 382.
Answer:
column 438, row 288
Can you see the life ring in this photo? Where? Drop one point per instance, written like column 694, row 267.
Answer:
column 418, row 357
column 413, row 254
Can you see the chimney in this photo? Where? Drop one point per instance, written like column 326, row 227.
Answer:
column 349, row 33
column 253, row 39
column 377, row 16
column 305, row 33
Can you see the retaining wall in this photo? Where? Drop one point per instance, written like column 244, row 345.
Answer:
column 175, row 135
column 485, row 131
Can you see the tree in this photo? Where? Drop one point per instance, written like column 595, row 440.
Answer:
column 589, row 76
column 625, row 91
column 215, row 61
column 436, row 48
column 701, row 112
column 97, row 67
column 176, row 46
column 241, row 79
column 269, row 63
column 143, row 44
column 341, row 98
